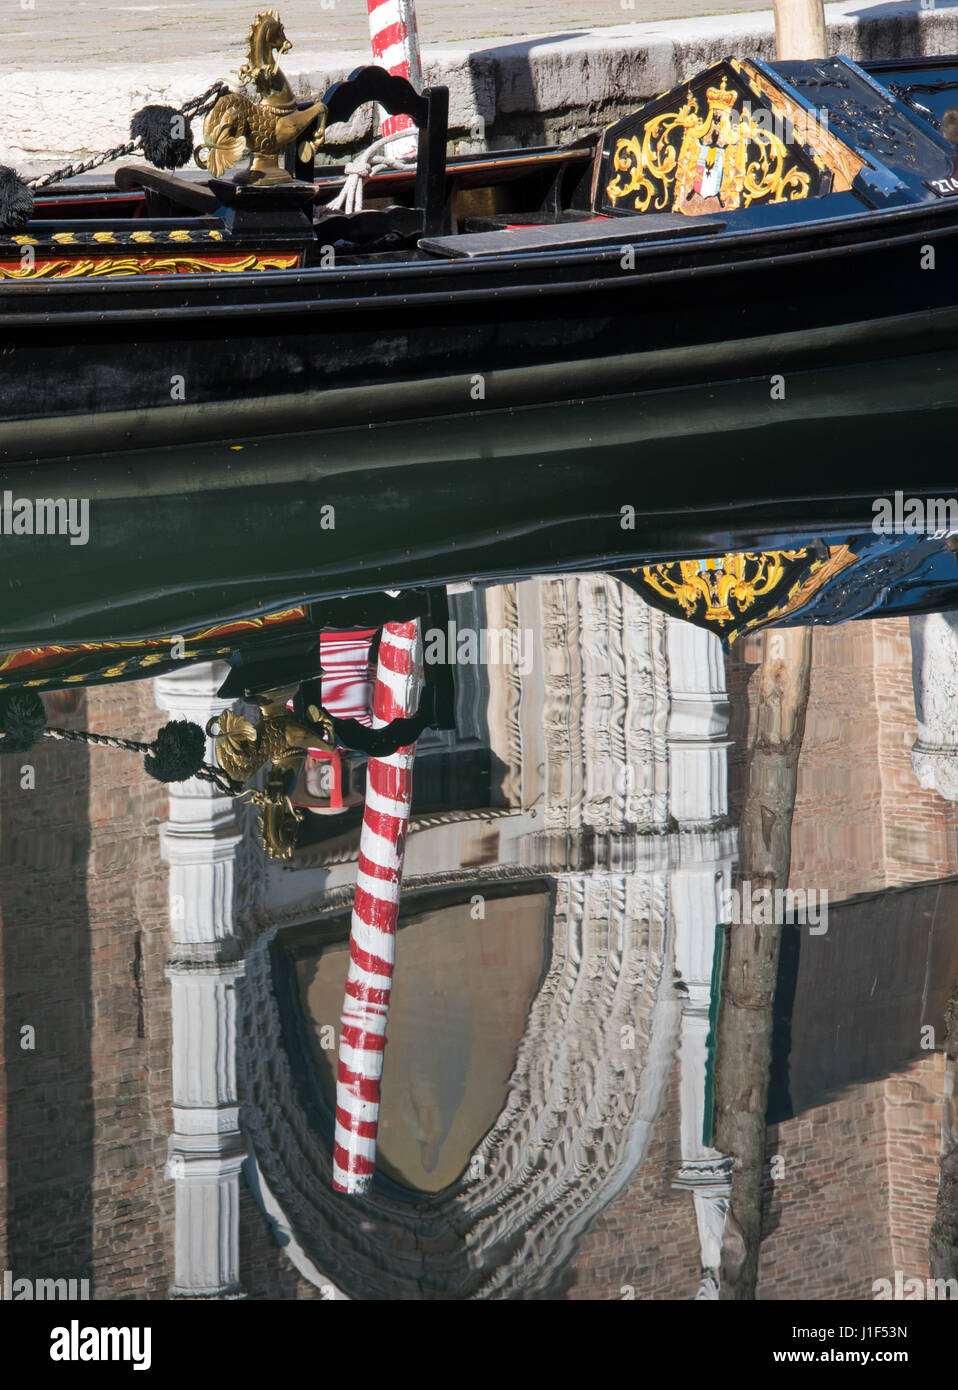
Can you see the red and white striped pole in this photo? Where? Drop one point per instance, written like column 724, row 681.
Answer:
column 395, row 39
column 372, row 932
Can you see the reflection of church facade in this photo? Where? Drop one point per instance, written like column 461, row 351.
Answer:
column 570, row 916
column 545, row 1124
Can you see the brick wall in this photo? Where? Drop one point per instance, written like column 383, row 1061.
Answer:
column 856, row 1199
column 837, row 831
column 826, row 1220
column 647, row 1238
column 913, row 1110
column 265, row 1271
column 862, row 822
column 84, row 917
column 84, row 1118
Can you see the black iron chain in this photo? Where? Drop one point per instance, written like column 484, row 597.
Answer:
column 206, row 773
column 196, row 106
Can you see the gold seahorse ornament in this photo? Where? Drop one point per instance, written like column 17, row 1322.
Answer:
column 264, row 127
column 242, row 748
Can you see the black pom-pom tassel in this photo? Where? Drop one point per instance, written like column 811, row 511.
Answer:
column 164, row 134
column 22, row 720
column 177, row 753
column 16, row 200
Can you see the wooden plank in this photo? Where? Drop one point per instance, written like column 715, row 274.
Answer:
column 612, row 231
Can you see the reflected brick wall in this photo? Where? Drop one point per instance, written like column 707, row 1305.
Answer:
column 857, row 1197
column 46, row 1126
column 265, row 1271
column 84, row 937
column 84, row 918
column 647, row 1238
column 861, row 819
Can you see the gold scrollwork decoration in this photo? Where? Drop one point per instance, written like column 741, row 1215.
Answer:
column 695, row 162
column 146, row 265
column 708, row 588
column 646, row 169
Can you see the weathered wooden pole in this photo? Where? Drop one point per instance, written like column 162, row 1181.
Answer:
column 800, row 29
column 372, row 932
column 744, row 1042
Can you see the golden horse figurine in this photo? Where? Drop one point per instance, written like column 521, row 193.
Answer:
column 242, row 748
column 264, row 127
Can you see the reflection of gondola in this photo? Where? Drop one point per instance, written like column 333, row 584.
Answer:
column 309, row 716
column 754, row 222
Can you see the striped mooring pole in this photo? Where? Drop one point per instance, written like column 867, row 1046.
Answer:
column 395, row 39
column 372, row 932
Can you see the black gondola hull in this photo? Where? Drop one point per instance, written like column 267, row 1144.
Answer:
column 89, row 367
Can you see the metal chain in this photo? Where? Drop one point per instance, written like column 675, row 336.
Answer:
column 196, row 106
column 206, row 773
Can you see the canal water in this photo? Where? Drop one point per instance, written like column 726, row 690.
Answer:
column 588, row 1091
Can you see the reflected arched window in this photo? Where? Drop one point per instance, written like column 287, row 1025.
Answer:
column 468, row 967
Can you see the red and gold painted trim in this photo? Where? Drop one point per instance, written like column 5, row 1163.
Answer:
column 89, row 662
column 87, row 267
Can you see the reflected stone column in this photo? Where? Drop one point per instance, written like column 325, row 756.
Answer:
column 634, row 714
column 698, row 801
column 206, row 1149
column 934, row 667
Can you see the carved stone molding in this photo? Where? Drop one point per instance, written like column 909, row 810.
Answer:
column 934, row 647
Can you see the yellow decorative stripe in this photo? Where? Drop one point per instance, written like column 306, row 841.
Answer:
column 115, row 238
column 147, row 265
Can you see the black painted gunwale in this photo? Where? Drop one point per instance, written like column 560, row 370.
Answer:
column 430, row 281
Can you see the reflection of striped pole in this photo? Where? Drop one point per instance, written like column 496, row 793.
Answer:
column 372, row 932
column 395, row 38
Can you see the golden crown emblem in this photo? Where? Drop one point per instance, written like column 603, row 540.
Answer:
column 721, row 97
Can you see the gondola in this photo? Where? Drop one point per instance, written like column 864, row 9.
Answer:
column 694, row 350
column 757, row 222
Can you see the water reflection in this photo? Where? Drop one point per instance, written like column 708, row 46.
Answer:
column 463, row 986
column 570, row 1106
column 583, row 1100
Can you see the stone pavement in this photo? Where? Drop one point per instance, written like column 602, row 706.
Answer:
column 78, row 69
column 47, row 33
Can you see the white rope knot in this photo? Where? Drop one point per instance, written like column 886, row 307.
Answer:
column 372, row 161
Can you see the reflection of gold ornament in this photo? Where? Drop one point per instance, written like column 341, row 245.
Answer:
column 266, row 126
column 243, row 748
column 707, row 589
column 278, row 821
column 752, row 159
